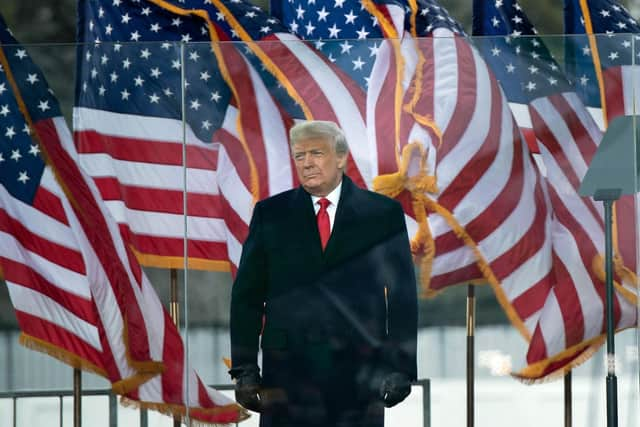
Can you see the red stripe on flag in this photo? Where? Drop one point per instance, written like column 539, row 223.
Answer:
column 548, row 139
column 537, row 347
column 467, row 96
column 235, row 224
column 236, row 154
column 587, row 252
column 249, row 114
column 385, row 120
column 579, row 132
column 49, row 204
column 529, row 244
column 54, row 252
column 569, row 303
column 532, row 300
column 614, row 92
column 174, row 247
column 97, row 231
column 24, row 276
column 462, row 275
column 58, row 336
column 482, row 159
column 173, row 358
column 159, row 200
column 530, row 137
column 497, row 211
column 627, row 229
column 145, row 151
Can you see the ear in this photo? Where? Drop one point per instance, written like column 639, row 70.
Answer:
column 342, row 160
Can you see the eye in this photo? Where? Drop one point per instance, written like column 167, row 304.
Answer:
column 298, row 156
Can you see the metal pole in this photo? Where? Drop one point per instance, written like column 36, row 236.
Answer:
column 426, row 402
column 175, row 316
column 113, row 410
column 144, row 418
column 9, row 367
column 471, row 326
column 77, row 398
column 174, row 304
column 567, row 400
column 612, row 381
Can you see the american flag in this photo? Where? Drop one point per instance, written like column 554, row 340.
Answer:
column 492, row 221
column 442, row 128
column 129, row 132
column 605, row 61
column 242, row 157
column 570, row 324
column 41, row 257
column 79, row 293
column 347, row 34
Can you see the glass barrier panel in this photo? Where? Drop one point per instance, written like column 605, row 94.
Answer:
column 6, row 412
column 494, row 136
column 38, row 411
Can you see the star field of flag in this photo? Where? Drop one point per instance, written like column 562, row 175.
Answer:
column 432, row 16
column 135, row 64
column 521, row 61
column 616, row 46
column 359, row 34
column 21, row 166
column 259, row 26
column 341, row 29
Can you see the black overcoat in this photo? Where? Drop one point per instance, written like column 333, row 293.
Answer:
column 335, row 321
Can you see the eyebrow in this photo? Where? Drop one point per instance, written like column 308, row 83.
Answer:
column 313, row 150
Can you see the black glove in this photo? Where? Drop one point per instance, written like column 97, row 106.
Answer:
column 248, row 383
column 395, row 388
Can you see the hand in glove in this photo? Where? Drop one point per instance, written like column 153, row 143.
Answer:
column 395, row 388
column 247, row 389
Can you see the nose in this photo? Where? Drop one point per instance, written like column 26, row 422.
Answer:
column 307, row 161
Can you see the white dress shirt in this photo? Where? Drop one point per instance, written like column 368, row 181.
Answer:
column 333, row 197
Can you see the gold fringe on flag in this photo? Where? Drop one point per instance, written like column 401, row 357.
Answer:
column 160, row 261
column 61, row 354
column 180, row 411
column 419, row 185
column 535, row 373
column 623, row 273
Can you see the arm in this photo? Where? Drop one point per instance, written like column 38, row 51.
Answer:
column 399, row 350
column 248, row 297
column 402, row 305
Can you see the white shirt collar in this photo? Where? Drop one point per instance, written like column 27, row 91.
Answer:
column 333, row 197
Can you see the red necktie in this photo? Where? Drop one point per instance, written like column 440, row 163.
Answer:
column 323, row 222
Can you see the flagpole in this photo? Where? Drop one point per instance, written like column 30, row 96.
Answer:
column 175, row 316
column 77, row 398
column 612, row 382
column 471, row 326
column 568, row 399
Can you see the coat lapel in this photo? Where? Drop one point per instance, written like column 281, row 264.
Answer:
column 306, row 226
column 346, row 217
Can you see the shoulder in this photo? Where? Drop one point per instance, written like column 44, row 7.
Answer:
column 376, row 202
column 276, row 208
column 277, row 200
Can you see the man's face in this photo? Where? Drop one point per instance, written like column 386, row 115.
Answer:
column 318, row 165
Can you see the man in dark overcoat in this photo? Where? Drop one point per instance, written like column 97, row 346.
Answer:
column 327, row 281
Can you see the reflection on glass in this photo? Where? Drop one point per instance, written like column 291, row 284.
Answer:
column 137, row 163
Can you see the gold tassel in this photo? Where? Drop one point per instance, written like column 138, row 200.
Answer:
column 622, row 271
